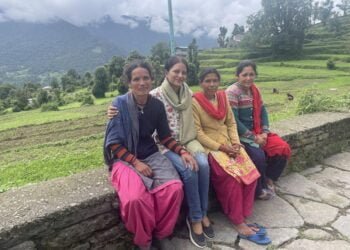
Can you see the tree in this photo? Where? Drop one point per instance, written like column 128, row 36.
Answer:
column 72, row 73
column 115, row 67
column 101, row 82
column 222, row 37
column 134, row 55
column 31, row 88
column 67, row 83
column 21, row 100
column 56, row 97
column 237, row 30
column 282, row 23
column 334, row 25
column 160, row 50
column 158, row 71
column 192, row 53
column 70, row 81
column 42, row 97
column 54, row 83
column 315, row 12
column 192, row 76
column 344, row 6
column 89, row 79
column 326, row 11
column 258, row 31
column 193, row 63
column 5, row 90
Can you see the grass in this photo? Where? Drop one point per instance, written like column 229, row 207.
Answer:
column 36, row 117
column 46, row 161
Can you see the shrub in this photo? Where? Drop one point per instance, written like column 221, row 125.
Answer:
column 88, row 100
column 80, row 96
column 68, row 98
column 330, row 64
column 50, row 106
column 311, row 101
column 16, row 108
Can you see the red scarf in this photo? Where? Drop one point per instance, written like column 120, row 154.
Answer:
column 275, row 145
column 218, row 113
column 257, row 104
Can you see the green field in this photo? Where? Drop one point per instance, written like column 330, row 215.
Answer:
column 37, row 146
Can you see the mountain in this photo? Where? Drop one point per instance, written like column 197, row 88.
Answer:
column 140, row 38
column 29, row 52
column 38, row 51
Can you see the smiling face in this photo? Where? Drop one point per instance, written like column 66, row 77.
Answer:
column 247, row 76
column 210, row 84
column 177, row 75
column 140, row 82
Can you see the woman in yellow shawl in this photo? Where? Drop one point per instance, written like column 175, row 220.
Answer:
column 233, row 174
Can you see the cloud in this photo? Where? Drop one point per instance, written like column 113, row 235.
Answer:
column 190, row 16
column 197, row 17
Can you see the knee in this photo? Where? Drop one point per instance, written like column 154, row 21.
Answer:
column 187, row 175
column 259, row 159
column 202, row 161
column 137, row 199
column 177, row 190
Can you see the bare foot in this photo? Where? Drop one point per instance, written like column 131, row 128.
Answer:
column 254, row 228
column 197, row 227
column 244, row 229
column 270, row 185
column 206, row 221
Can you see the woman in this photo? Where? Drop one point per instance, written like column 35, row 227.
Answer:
column 175, row 94
column 233, row 174
column 267, row 150
column 148, row 186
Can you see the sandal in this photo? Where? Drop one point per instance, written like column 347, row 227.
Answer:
column 262, row 229
column 271, row 188
column 265, row 195
column 256, row 238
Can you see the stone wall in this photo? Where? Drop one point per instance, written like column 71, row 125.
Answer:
column 81, row 212
column 314, row 137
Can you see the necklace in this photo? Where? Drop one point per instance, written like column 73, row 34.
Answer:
column 140, row 108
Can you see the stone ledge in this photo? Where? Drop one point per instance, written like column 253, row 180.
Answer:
column 40, row 215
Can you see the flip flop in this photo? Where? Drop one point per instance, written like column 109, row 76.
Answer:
column 262, row 229
column 256, row 238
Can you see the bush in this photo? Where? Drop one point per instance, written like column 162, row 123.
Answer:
column 81, row 96
column 2, row 106
column 312, row 101
column 16, row 108
column 68, row 98
column 88, row 100
column 330, row 64
column 51, row 106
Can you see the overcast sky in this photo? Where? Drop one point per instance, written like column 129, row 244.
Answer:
column 190, row 16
